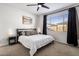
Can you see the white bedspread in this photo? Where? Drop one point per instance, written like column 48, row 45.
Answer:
column 35, row 41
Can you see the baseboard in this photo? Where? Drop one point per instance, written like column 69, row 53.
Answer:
column 62, row 43
column 4, row 44
column 67, row 44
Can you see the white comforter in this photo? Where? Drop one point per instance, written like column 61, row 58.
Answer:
column 35, row 41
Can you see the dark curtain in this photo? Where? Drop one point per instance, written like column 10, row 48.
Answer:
column 72, row 28
column 45, row 24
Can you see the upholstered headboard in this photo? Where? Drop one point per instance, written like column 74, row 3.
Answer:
column 25, row 32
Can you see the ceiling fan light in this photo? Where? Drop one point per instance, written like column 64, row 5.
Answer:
column 39, row 6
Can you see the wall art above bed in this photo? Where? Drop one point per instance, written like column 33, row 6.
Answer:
column 26, row 20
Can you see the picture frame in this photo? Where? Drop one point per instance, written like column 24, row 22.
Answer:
column 26, row 20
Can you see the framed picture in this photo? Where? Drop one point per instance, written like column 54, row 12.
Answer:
column 26, row 20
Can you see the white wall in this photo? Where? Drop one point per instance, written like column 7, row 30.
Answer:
column 39, row 22
column 78, row 23
column 11, row 18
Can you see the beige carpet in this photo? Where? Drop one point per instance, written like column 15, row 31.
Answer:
column 56, row 49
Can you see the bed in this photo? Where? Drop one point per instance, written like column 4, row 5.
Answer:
column 34, row 42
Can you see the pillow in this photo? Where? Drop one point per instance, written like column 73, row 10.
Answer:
column 23, row 33
column 19, row 33
column 33, row 33
column 26, row 32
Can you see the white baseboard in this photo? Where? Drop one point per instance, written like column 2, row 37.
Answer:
column 4, row 44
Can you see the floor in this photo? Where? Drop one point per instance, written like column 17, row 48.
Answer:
column 56, row 49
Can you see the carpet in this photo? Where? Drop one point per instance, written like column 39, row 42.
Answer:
column 56, row 49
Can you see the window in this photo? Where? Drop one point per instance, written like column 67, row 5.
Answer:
column 58, row 22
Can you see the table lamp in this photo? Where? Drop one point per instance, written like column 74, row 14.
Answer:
column 10, row 32
column 38, row 30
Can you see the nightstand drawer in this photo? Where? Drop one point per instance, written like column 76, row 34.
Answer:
column 12, row 40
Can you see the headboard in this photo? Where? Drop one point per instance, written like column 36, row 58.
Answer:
column 26, row 32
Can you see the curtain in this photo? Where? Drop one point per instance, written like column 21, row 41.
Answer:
column 45, row 24
column 72, row 28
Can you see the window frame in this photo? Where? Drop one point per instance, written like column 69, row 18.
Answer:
column 62, row 14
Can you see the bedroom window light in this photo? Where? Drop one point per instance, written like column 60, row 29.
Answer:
column 58, row 22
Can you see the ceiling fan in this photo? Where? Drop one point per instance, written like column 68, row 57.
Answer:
column 39, row 5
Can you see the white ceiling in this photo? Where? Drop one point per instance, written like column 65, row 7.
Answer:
column 33, row 9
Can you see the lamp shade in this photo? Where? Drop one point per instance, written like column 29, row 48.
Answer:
column 10, row 32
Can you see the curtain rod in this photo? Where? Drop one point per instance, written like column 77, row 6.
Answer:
column 63, row 10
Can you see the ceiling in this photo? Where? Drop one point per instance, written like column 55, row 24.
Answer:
column 33, row 9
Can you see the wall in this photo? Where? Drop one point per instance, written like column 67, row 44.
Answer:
column 11, row 18
column 78, row 21
column 40, row 22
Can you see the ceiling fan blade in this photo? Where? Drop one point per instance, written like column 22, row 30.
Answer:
column 37, row 8
column 32, row 5
column 41, row 3
column 45, row 6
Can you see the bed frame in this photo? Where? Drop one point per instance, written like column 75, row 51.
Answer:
column 27, row 32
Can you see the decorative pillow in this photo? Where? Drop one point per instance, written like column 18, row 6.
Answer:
column 23, row 33
column 33, row 33
column 19, row 33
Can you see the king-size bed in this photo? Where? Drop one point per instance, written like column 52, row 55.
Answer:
column 34, row 42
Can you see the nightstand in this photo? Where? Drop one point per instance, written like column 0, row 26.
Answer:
column 12, row 40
